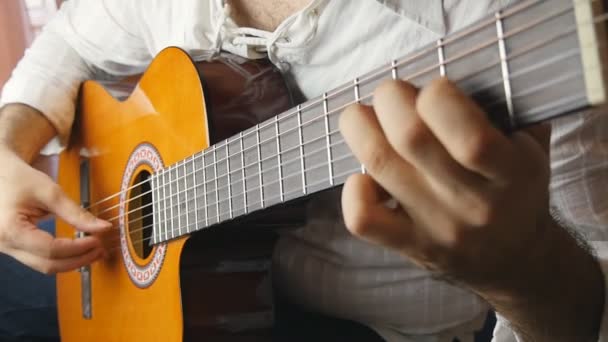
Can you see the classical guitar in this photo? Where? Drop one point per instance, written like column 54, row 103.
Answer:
column 186, row 160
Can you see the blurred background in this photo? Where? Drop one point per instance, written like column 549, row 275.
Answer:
column 20, row 22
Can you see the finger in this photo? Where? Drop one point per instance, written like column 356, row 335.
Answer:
column 52, row 266
column 367, row 216
column 395, row 105
column 55, row 200
column 43, row 244
column 381, row 161
column 464, row 129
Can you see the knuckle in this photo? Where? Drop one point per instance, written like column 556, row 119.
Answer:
column 376, row 158
column 414, row 136
column 432, row 92
column 476, row 149
column 350, row 118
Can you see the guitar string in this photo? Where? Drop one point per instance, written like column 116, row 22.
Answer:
column 257, row 205
column 238, row 183
column 231, row 183
column 182, row 178
column 339, row 109
column 416, row 56
column 224, row 200
column 216, row 219
column 221, row 145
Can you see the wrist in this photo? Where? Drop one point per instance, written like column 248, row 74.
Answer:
column 555, row 292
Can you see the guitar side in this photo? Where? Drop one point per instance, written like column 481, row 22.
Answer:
column 165, row 119
column 167, row 111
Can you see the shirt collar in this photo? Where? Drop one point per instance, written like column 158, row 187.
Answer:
column 428, row 13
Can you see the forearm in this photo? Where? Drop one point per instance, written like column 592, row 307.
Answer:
column 560, row 296
column 24, row 130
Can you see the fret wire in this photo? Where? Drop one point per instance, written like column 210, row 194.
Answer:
column 553, row 16
column 179, row 207
column 525, row 70
column 154, row 185
column 217, row 196
column 421, row 53
column 565, row 78
column 194, row 188
column 257, row 138
column 327, row 138
column 186, row 195
column 301, row 147
column 358, row 100
column 243, row 173
column 322, row 137
column 280, row 171
column 441, row 57
column 171, row 200
column 205, row 202
column 502, row 49
column 394, row 74
column 164, row 205
column 229, row 187
column 162, row 199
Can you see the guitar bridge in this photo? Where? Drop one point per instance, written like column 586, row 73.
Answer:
column 85, row 271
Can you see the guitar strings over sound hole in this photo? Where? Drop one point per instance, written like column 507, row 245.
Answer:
column 140, row 215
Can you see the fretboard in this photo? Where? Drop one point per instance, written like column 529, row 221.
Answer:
column 527, row 63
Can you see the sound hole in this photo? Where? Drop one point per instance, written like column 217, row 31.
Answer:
column 140, row 215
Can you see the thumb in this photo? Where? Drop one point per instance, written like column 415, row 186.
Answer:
column 58, row 203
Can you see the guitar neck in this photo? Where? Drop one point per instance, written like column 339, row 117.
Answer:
column 527, row 63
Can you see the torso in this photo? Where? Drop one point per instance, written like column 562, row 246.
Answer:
column 264, row 14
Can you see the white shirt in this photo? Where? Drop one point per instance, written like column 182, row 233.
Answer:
column 320, row 266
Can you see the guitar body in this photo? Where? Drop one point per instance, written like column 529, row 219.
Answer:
column 172, row 291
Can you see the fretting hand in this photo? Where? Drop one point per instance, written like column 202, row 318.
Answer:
column 473, row 203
